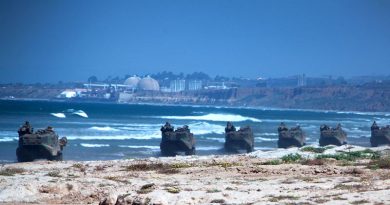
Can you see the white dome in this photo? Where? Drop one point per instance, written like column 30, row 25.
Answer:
column 132, row 82
column 148, row 83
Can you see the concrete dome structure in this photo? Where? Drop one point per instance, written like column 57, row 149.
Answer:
column 148, row 83
column 132, row 82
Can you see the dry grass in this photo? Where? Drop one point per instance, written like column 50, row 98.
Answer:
column 313, row 162
column 159, row 167
column 54, row 173
column 147, row 188
column 117, row 179
column 11, row 171
column 282, row 197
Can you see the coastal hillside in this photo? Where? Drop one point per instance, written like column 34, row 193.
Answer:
column 370, row 97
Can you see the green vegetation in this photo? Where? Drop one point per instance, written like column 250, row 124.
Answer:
column 213, row 190
column 291, row 158
column 313, row 149
column 351, row 156
column 11, row 171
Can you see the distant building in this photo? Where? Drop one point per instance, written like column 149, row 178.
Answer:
column 132, row 82
column 177, row 85
column 301, row 80
column 148, row 83
column 195, row 85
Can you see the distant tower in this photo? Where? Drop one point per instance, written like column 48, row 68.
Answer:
column 301, row 80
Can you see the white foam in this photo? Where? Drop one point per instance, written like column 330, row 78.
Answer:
column 214, row 117
column 140, row 147
column 138, row 136
column 202, row 128
column 94, row 145
column 208, row 148
column 267, row 139
column 222, row 139
column 267, row 134
column 8, row 139
column 80, row 113
column 104, row 129
column 59, row 115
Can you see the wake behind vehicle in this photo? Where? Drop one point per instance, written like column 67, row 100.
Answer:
column 293, row 137
column 235, row 141
column 332, row 136
column 43, row 144
column 176, row 141
column 380, row 135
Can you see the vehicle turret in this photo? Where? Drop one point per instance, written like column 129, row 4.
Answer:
column 293, row 137
column 238, row 140
column 332, row 136
column 175, row 141
column 380, row 135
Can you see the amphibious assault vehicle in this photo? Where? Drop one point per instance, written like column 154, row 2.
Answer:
column 332, row 136
column 43, row 144
column 380, row 135
column 175, row 141
column 293, row 137
column 238, row 140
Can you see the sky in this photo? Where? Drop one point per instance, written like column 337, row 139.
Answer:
column 57, row 40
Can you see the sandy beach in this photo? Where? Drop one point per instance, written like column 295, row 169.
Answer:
column 260, row 177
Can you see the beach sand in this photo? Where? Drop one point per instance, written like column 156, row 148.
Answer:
column 226, row 179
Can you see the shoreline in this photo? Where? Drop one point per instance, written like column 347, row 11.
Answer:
column 357, row 112
column 254, row 178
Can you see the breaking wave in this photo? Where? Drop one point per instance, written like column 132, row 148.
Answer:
column 214, row 117
column 208, row 148
column 267, row 139
column 80, row 113
column 202, row 128
column 116, row 137
column 140, row 147
column 59, row 115
column 8, row 139
column 105, row 129
column 94, row 145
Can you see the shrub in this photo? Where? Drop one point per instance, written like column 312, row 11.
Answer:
column 272, row 162
column 351, row 156
column 314, row 149
column 312, row 162
column 290, row 158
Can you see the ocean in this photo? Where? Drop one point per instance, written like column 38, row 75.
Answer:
column 99, row 131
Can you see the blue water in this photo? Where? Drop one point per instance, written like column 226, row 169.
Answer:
column 118, row 131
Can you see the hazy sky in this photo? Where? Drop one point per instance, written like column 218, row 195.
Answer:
column 52, row 40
